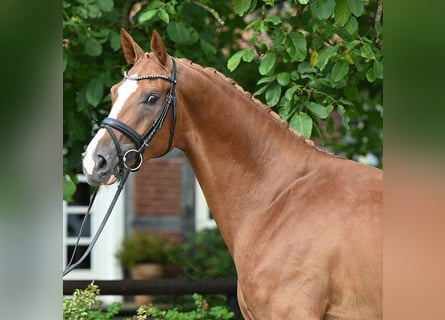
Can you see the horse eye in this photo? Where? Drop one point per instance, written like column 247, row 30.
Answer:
column 152, row 99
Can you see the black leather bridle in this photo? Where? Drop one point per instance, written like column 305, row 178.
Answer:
column 142, row 142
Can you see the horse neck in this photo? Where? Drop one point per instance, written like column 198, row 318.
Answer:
column 241, row 154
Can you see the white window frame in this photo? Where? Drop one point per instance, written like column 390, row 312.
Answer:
column 203, row 219
column 104, row 265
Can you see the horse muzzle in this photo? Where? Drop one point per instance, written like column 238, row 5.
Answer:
column 100, row 166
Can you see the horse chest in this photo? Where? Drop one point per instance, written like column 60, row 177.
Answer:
column 306, row 268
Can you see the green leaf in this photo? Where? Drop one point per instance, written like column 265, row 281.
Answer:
column 178, row 32
column 303, row 1
column 260, row 90
column 318, row 132
column 325, row 55
column 273, row 94
column 115, row 40
column 296, row 46
column 330, row 126
column 241, row 6
column 342, row 12
column 248, row 55
column 207, row 47
column 305, row 67
column 170, row 8
column 255, row 24
column 283, row 78
column 350, row 45
column 274, row 19
column 346, row 102
column 302, row 122
column 100, row 33
column 65, row 62
column 105, row 5
column 155, row 5
column 319, row 110
column 267, row 79
column 234, row 60
column 69, row 188
column 94, row 91
column 147, row 15
column 322, row 9
column 352, row 92
column 163, row 15
column 356, row 7
column 93, row 11
column 289, row 95
column 370, row 76
column 378, row 69
column 340, row 70
column 267, row 64
column 93, row 47
column 352, row 26
column 81, row 101
column 284, row 111
column 341, row 110
column 366, row 52
column 294, row 75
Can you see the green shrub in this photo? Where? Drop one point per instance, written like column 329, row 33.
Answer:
column 202, row 311
column 83, row 305
column 142, row 247
column 204, row 255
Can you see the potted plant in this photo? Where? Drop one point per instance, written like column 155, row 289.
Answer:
column 143, row 254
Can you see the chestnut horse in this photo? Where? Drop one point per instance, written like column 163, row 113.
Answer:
column 304, row 227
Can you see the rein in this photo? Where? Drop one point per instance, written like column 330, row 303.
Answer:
column 141, row 143
column 71, row 266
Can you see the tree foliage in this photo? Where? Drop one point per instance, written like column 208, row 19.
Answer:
column 317, row 63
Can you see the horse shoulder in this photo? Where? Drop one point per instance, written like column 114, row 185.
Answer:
column 320, row 240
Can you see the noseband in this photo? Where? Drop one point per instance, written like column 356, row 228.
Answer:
column 142, row 142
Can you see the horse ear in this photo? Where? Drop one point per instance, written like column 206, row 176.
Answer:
column 158, row 48
column 132, row 50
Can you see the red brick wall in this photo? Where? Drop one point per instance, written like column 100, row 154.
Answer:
column 158, row 192
column 158, row 188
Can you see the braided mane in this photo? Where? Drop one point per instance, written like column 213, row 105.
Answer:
column 274, row 115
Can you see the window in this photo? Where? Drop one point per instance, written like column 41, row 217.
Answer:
column 100, row 264
column 203, row 216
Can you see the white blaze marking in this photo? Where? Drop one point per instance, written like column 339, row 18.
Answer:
column 88, row 162
column 123, row 93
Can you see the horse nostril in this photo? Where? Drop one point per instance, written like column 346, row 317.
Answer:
column 101, row 164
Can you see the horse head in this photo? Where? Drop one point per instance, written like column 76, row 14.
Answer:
column 142, row 120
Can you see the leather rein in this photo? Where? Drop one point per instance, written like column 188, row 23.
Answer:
column 141, row 143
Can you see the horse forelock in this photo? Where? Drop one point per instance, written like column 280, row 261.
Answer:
column 284, row 124
column 149, row 60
